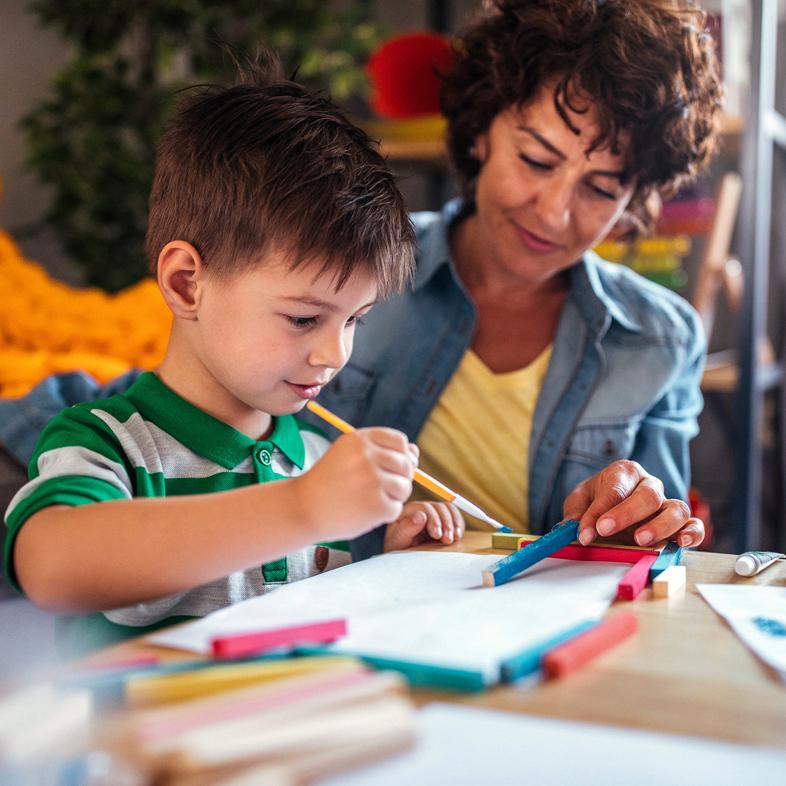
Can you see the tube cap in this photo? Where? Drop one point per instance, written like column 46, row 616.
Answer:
column 745, row 565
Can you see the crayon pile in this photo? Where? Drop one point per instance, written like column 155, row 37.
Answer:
column 269, row 720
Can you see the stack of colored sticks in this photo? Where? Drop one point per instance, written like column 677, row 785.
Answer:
column 266, row 719
column 288, row 730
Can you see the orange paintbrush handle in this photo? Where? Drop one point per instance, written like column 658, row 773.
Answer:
column 425, row 480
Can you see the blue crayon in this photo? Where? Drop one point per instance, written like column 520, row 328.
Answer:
column 670, row 555
column 508, row 567
column 529, row 660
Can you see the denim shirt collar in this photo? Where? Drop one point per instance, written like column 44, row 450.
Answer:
column 587, row 288
column 434, row 246
column 592, row 299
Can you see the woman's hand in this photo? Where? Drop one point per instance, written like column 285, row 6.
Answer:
column 624, row 495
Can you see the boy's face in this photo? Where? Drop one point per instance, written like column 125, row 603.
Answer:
column 269, row 338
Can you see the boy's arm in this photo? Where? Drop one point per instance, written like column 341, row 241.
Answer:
column 117, row 553
column 83, row 557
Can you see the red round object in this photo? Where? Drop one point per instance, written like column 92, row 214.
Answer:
column 405, row 74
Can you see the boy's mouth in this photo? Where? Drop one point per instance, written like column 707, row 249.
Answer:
column 308, row 391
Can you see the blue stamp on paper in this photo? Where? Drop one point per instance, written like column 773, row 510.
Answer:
column 770, row 626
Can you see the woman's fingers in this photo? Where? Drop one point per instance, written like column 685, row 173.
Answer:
column 624, row 495
column 671, row 518
column 692, row 534
column 616, row 497
column 646, row 499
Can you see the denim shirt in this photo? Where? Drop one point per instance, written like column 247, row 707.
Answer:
column 622, row 383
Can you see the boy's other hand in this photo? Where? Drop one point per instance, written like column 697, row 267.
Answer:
column 362, row 481
column 424, row 522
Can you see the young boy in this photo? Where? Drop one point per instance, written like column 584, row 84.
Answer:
column 274, row 227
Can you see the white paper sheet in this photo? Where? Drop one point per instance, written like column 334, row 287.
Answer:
column 425, row 607
column 464, row 746
column 757, row 615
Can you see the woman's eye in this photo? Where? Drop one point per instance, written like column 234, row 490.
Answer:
column 531, row 162
column 302, row 322
column 601, row 192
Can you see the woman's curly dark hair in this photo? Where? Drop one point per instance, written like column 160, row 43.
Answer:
column 647, row 66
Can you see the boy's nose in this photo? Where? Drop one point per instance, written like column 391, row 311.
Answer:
column 330, row 352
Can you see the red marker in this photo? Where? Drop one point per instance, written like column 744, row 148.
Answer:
column 242, row 644
column 578, row 651
column 603, row 554
column 634, row 581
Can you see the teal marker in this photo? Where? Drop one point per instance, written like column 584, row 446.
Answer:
column 508, row 567
column 671, row 555
column 424, row 675
column 528, row 661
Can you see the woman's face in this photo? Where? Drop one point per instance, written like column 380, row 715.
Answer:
column 541, row 199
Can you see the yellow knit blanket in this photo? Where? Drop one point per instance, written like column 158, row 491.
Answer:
column 48, row 327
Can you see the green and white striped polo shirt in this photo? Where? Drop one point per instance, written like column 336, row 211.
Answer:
column 150, row 442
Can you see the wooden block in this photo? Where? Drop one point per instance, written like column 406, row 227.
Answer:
column 634, row 581
column 670, row 582
column 505, row 540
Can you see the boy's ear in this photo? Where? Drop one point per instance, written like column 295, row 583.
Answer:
column 180, row 274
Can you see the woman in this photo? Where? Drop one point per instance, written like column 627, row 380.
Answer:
column 539, row 381
column 521, row 362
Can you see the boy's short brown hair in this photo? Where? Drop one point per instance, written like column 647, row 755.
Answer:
column 267, row 165
column 647, row 66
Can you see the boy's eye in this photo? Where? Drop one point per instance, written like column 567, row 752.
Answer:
column 302, row 322
column 355, row 320
column 531, row 162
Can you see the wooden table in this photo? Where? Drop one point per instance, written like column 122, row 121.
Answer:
column 685, row 671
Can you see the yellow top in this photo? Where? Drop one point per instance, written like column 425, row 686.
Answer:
column 476, row 439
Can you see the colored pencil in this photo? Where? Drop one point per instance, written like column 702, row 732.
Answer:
column 423, row 478
column 634, row 581
column 577, row 652
column 520, row 560
column 240, row 645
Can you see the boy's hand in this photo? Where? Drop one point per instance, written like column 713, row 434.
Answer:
column 362, row 481
column 424, row 522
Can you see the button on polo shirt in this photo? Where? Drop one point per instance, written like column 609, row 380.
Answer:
column 150, row 442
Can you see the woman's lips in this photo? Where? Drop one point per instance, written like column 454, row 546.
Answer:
column 535, row 242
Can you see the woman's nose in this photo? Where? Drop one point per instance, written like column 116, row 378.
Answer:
column 553, row 205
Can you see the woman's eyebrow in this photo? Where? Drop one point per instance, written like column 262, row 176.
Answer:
column 618, row 175
column 607, row 173
column 543, row 141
